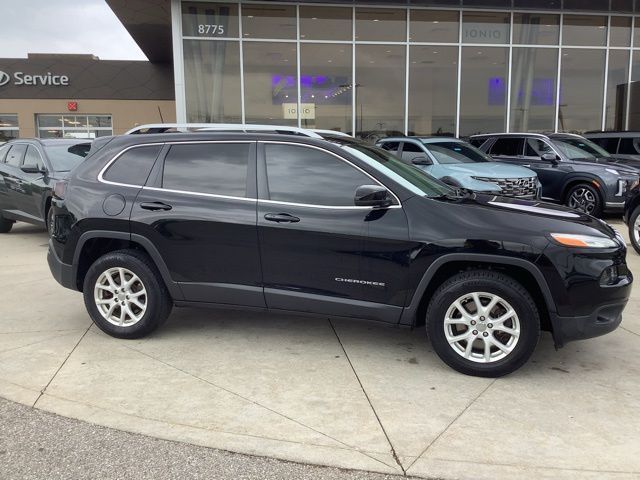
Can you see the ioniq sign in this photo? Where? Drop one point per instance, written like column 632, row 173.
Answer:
column 46, row 79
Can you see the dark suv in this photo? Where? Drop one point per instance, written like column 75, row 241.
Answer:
column 333, row 227
column 571, row 169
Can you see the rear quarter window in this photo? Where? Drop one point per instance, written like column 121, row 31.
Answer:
column 133, row 166
column 629, row 146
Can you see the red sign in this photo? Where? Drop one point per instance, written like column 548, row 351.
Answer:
column 72, row 106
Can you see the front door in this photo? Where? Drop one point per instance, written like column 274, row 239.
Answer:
column 29, row 202
column 320, row 252
column 551, row 173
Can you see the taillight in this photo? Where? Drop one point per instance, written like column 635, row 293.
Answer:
column 59, row 189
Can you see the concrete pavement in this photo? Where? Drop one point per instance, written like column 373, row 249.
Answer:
column 322, row 391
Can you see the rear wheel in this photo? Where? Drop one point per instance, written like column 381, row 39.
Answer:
column 634, row 229
column 5, row 224
column 483, row 323
column 584, row 198
column 125, row 294
column 49, row 220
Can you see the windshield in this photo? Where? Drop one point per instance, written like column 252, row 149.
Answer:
column 576, row 148
column 64, row 158
column 412, row 178
column 456, row 152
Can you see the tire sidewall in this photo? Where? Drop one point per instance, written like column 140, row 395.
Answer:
column 597, row 209
column 632, row 221
column 528, row 317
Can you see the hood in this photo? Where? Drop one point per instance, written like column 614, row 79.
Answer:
column 625, row 166
column 490, row 170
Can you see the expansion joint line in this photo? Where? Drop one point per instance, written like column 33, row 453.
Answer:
column 393, row 450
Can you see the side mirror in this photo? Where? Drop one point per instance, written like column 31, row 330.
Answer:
column 32, row 169
column 549, row 157
column 372, row 196
column 421, row 161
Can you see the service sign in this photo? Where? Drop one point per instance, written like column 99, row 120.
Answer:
column 47, row 79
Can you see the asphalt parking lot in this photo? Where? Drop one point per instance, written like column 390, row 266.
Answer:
column 347, row 394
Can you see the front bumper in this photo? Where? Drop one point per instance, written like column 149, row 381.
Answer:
column 62, row 272
column 603, row 320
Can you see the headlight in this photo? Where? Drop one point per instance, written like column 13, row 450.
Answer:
column 583, row 241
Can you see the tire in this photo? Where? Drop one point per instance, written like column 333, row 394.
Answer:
column 48, row 218
column 5, row 225
column 584, row 198
column 634, row 229
column 132, row 321
column 471, row 358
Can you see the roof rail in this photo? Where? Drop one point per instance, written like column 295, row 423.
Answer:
column 220, row 127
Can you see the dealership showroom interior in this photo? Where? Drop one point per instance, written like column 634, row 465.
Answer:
column 332, row 239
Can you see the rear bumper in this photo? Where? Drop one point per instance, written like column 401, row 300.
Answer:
column 601, row 321
column 62, row 272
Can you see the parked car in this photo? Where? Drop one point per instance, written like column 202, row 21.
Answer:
column 28, row 170
column 332, row 227
column 623, row 145
column 460, row 164
column 631, row 217
column 572, row 170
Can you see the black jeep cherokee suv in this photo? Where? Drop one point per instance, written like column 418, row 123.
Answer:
column 333, row 227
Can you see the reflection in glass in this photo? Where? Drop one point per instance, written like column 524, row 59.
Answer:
column 536, row 29
column 380, row 84
column 617, row 78
column 210, row 20
column 269, row 21
column 8, row 121
column 212, row 81
column 325, row 23
column 483, row 90
column 433, row 73
column 326, row 86
column 381, row 24
column 485, row 27
column 533, row 89
column 584, row 30
column 634, row 93
column 434, row 26
column 270, row 83
column 620, row 35
column 581, row 87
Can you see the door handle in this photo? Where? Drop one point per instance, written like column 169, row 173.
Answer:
column 281, row 218
column 155, row 206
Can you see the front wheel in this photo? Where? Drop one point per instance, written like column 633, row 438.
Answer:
column 125, row 294
column 634, row 229
column 584, row 198
column 483, row 323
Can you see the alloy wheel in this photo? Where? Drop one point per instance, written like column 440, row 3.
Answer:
column 482, row 327
column 636, row 230
column 120, row 296
column 582, row 199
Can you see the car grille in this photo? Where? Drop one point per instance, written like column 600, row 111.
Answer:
column 515, row 187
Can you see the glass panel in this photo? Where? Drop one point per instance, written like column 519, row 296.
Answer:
column 584, row 30
column 269, row 21
column 620, row 35
column 536, row 29
column 8, row 121
column 99, row 121
column 380, row 82
column 636, row 32
column 16, row 154
column 485, row 27
column 209, row 20
column 270, row 83
column 433, row 74
column 44, row 133
column 304, row 175
column 219, row 169
column 32, row 158
column 65, row 158
column 508, row 147
column 212, row 81
column 381, row 24
column 483, row 90
column 434, row 26
column 581, row 84
column 132, row 167
column 534, row 74
column 634, row 92
column 326, row 84
column 326, row 23
column 6, row 135
column 49, row 120
column 618, row 76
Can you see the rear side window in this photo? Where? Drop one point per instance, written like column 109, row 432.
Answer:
column 133, row 166
column 508, row 147
column 609, row 144
column 298, row 174
column 214, row 168
column 629, row 146
column 16, row 154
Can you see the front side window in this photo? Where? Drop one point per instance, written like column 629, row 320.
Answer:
column 298, row 174
column 628, row 146
column 575, row 148
column 32, row 158
column 507, row 147
column 391, row 146
column 536, row 148
column 133, row 166
column 456, row 152
column 16, row 154
column 212, row 168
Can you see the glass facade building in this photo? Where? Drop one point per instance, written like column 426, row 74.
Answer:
column 384, row 70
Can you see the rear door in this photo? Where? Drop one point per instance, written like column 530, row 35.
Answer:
column 30, row 199
column 199, row 211
column 12, row 183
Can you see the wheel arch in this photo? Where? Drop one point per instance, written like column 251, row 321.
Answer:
column 593, row 181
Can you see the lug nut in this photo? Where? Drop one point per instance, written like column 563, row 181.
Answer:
column 490, row 325
column 475, row 332
column 485, row 334
column 482, row 319
column 473, row 322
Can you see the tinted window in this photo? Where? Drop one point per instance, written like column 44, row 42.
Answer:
column 609, row 144
column 133, row 166
column 456, row 152
column 15, row 154
column 65, row 158
column 32, row 158
column 477, row 142
column 508, row 147
column 305, row 175
column 391, row 146
column 628, row 146
column 215, row 168
column 411, row 147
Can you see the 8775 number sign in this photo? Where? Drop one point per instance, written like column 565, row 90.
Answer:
column 210, row 29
